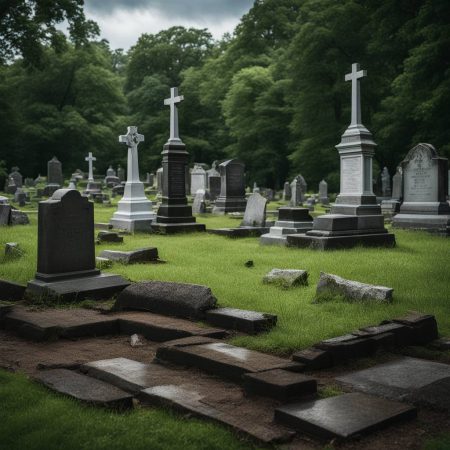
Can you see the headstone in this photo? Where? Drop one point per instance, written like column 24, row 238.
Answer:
column 199, row 203
column 323, row 193
column 11, row 186
column 120, row 173
column 212, row 173
column 298, row 191
column 159, row 179
column 72, row 184
column 255, row 211
column 385, row 183
column 66, row 251
column 232, row 192
column 134, row 211
column 16, row 176
column 54, row 176
column 424, row 191
column 214, row 186
column 5, row 214
column 390, row 208
column 198, row 179
column 355, row 217
column 110, row 172
column 397, row 184
column 20, row 197
column 287, row 191
column 174, row 213
column 255, row 188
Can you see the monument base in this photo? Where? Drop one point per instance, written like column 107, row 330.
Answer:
column 225, row 205
column 132, row 225
column 173, row 228
column 390, row 208
column 439, row 224
column 102, row 286
column 240, row 231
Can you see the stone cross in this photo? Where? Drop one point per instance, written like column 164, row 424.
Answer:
column 90, row 159
column 354, row 77
column 132, row 139
column 172, row 101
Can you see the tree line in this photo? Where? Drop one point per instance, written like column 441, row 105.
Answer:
column 272, row 94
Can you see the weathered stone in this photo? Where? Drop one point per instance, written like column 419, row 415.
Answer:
column 103, row 263
column 102, row 226
column 424, row 326
column 334, row 285
column 314, row 358
column 343, row 416
column 13, row 250
column 349, row 346
column 173, row 299
column 251, row 322
column 255, row 211
column 19, row 217
column 387, row 334
column 280, row 384
column 84, row 388
column 11, row 291
column 5, row 214
column 141, row 255
column 109, row 236
column 287, row 277
column 219, row 358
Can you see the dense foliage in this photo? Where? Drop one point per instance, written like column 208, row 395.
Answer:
column 273, row 94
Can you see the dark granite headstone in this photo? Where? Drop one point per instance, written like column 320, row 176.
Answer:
column 232, row 192
column 5, row 214
column 54, row 172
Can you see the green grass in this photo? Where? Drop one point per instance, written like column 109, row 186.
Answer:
column 34, row 418
column 417, row 269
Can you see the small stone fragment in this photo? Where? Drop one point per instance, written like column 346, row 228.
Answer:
column 287, row 277
column 12, row 250
column 136, row 341
column 352, row 290
column 19, row 217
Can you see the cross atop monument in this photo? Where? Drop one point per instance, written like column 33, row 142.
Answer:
column 172, row 101
column 132, row 138
column 354, row 76
column 90, row 159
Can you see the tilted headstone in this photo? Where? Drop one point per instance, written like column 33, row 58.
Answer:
column 134, row 211
column 199, row 203
column 255, row 211
column 198, row 179
column 298, row 191
column 232, row 190
column 323, row 193
column 66, row 249
column 385, row 183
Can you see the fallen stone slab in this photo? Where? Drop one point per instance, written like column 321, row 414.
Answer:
column 188, row 400
column 172, row 299
column 280, row 384
column 351, row 290
column 11, row 291
column 388, row 334
column 344, row 416
column 109, row 236
column 240, row 232
column 221, row 359
column 436, row 395
column 424, row 326
column 251, row 322
column 84, row 388
column 404, row 378
column 314, row 358
column 349, row 346
column 141, row 255
column 287, row 277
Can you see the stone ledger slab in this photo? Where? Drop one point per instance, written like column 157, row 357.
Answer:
column 251, row 322
column 141, row 255
column 343, row 416
column 85, row 388
column 221, row 359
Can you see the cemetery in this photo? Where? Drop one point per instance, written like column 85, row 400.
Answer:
column 166, row 282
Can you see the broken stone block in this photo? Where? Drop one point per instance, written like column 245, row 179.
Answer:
column 19, row 217
column 424, row 326
column 141, row 255
column 349, row 346
column 314, row 358
column 12, row 250
column 352, row 290
column 109, row 236
column 287, row 277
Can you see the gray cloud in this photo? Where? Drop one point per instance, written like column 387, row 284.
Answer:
column 187, row 9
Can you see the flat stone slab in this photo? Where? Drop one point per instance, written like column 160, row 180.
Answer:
column 84, row 388
column 352, row 290
column 403, row 379
column 141, row 255
column 221, row 359
column 314, row 358
column 101, row 286
column 287, row 277
column 240, row 232
column 251, row 322
column 340, row 242
column 109, row 236
column 349, row 346
column 280, row 384
column 344, row 416
column 172, row 299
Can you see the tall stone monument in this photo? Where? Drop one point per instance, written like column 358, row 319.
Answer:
column 92, row 186
column 174, row 214
column 54, row 176
column 425, row 184
column 298, row 191
column 323, row 193
column 232, row 188
column 134, row 211
column 66, row 251
column 356, row 217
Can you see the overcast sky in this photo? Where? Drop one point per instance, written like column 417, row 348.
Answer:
column 123, row 21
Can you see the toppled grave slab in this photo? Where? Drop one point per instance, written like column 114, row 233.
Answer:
column 251, row 322
column 287, row 277
column 193, row 392
column 333, row 285
column 424, row 326
column 220, row 358
column 343, row 348
column 11, row 291
column 109, row 236
column 172, row 299
column 403, row 379
column 280, row 384
column 343, row 416
column 141, row 255
column 86, row 389
column 51, row 324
